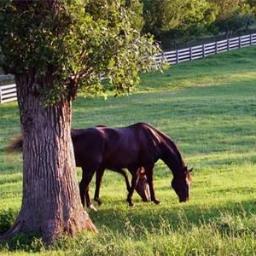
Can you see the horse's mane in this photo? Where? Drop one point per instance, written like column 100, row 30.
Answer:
column 165, row 139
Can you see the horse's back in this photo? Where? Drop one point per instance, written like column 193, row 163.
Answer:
column 121, row 147
column 136, row 144
column 88, row 146
column 111, row 147
column 124, row 147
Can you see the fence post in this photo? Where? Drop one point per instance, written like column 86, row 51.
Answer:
column 216, row 47
column 250, row 39
column 0, row 94
column 203, row 51
column 239, row 43
column 190, row 53
column 228, row 44
column 163, row 59
column 177, row 56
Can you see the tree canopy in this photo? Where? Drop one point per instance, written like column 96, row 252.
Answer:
column 166, row 15
column 75, row 45
column 168, row 20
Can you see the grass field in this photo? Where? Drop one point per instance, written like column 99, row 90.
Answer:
column 209, row 108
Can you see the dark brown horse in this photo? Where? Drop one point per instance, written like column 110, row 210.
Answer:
column 139, row 145
column 132, row 147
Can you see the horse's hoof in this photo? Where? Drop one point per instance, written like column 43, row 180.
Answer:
column 156, row 201
column 91, row 206
column 99, row 202
column 131, row 204
column 145, row 200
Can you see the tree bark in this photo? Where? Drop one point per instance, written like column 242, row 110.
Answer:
column 51, row 203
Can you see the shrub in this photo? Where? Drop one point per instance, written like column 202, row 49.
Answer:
column 7, row 217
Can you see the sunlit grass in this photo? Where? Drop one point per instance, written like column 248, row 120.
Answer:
column 209, row 108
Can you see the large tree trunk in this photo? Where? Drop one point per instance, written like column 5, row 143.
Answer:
column 51, row 203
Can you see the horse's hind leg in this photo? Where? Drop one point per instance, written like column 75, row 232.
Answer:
column 133, row 184
column 99, row 175
column 84, row 186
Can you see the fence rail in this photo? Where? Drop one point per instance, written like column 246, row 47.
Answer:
column 205, row 50
column 8, row 92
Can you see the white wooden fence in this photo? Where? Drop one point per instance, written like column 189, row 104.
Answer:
column 8, row 92
column 204, row 50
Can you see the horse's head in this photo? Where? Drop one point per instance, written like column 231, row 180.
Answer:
column 181, row 184
column 142, row 186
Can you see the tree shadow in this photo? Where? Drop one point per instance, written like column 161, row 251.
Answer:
column 151, row 217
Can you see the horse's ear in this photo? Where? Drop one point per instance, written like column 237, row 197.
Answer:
column 190, row 170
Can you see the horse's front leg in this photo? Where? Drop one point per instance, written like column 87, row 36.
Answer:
column 129, row 197
column 84, row 186
column 149, row 174
column 99, row 175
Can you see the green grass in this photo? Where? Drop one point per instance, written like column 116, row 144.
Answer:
column 209, row 108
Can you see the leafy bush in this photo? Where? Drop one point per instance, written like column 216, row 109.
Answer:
column 7, row 217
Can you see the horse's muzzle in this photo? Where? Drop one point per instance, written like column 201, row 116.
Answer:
column 183, row 200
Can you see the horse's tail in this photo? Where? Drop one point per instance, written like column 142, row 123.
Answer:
column 15, row 144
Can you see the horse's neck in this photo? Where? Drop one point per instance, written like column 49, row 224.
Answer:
column 171, row 156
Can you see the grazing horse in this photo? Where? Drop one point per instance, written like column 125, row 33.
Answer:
column 132, row 147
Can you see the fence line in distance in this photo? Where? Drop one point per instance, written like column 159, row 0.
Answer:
column 8, row 91
column 205, row 50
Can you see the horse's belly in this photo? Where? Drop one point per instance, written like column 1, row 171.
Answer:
column 118, row 161
column 118, row 165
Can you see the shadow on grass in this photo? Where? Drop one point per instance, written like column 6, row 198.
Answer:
column 144, row 219
column 151, row 217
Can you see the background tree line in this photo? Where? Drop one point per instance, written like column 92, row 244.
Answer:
column 175, row 22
